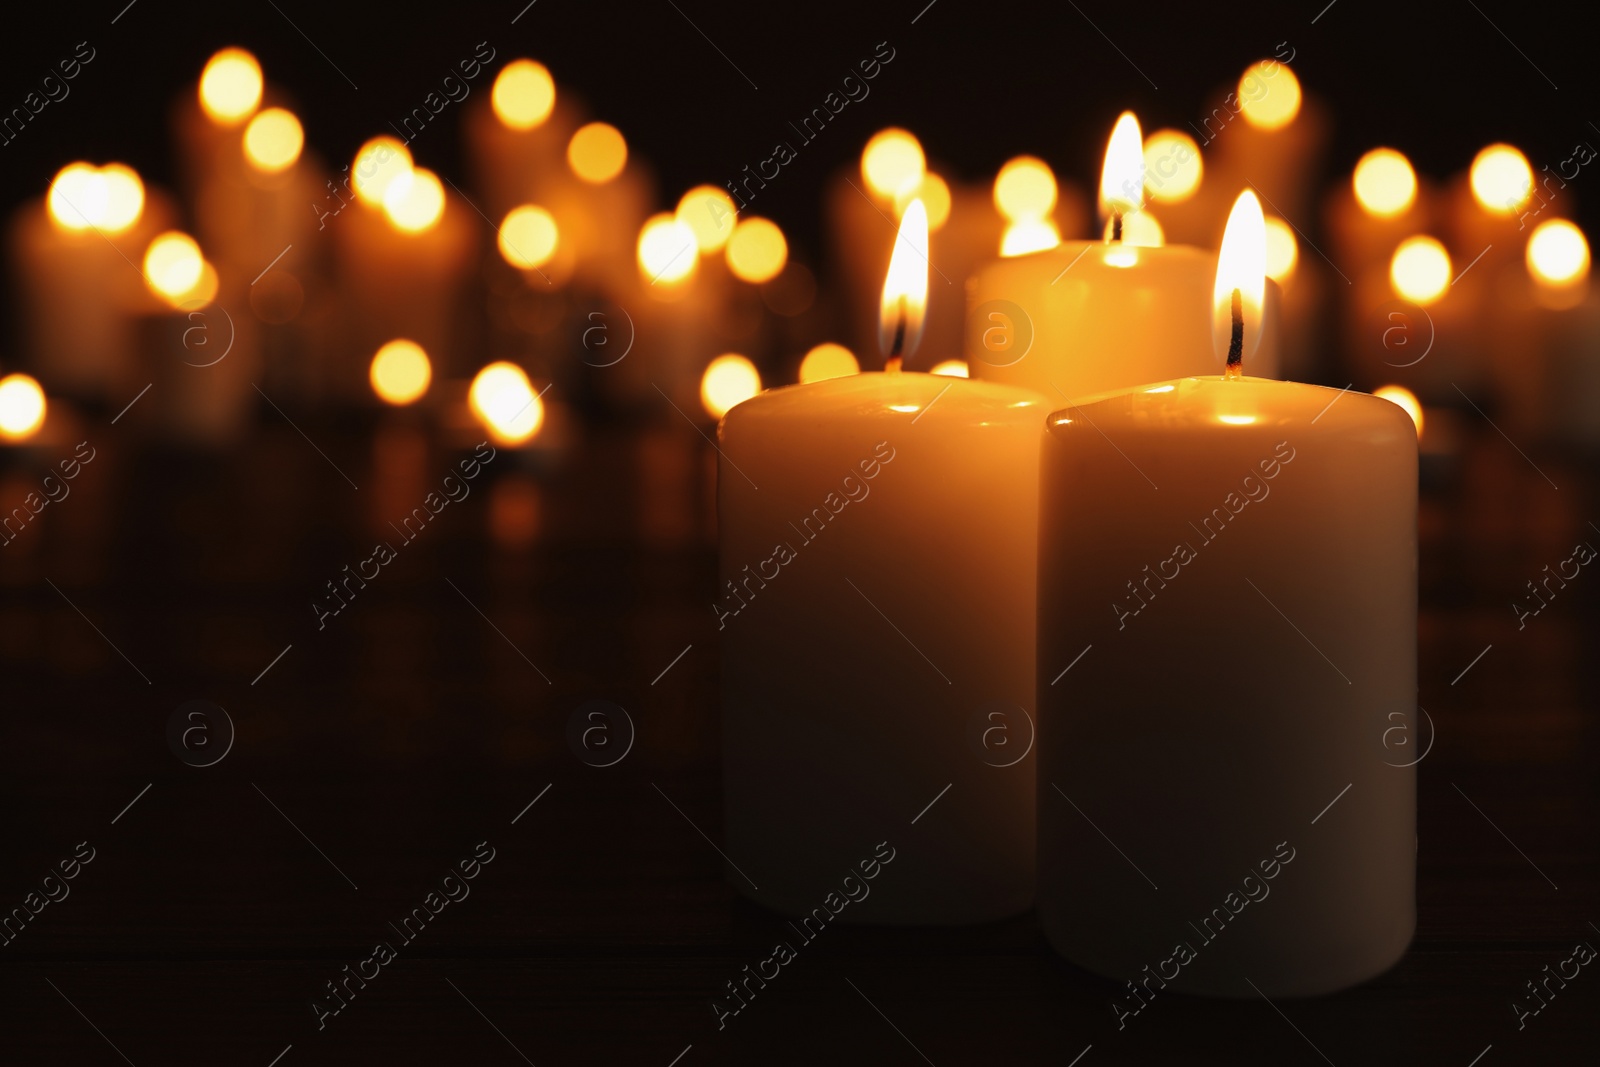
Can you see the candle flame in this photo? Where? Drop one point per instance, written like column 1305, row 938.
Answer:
column 1236, row 299
column 1122, row 177
column 905, row 287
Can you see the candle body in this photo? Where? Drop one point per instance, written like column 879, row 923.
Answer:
column 1089, row 317
column 877, row 609
column 1248, row 643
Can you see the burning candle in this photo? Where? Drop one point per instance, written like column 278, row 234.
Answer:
column 1245, row 783
column 1090, row 316
column 877, row 617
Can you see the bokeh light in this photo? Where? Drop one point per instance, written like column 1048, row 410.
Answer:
column 1029, row 235
column 1502, row 181
column 109, row 198
column 667, row 249
column 230, row 86
column 892, row 161
column 951, row 368
column 1172, row 166
column 1384, row 183
column 504, row 401
column 1420, row 270
column 934, row 192
column 1269, row 95
column 1025, row 188
column 597, row 152
column 828, row 360
column 757, row 250
column 379, row 164
column 273, row 140
column 523, row 95
column 415, row 202
column 729, row 379
column 1558, row 254
column 173, row 264
column 400, row 372
column 1407, row 400
column 1283, row 250
column 529, row 237
column 710, row 213
column 22, row 407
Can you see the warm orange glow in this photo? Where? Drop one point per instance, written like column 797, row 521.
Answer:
column 1269, row 95
column 710, row 213
column 757, row 250
column 524, row 94
column 22, row 407
column 400, row 372
column 414, row 202
column 504, row 401
column 1172, row 166
column 173, row 265
column 828, row 360
column 202, row 292
column 529, row 237
column 230, row 86
column 905, row 286
column 273, row 140
column 1241, row 266
column 1140, row 230
column 1025, row 188
column 109, row 198
column 891, row 162
column 379, row 164
column 597, row 152
column 934, row 193
column 1384, row 183
column 1558, row 254
column 729, row 379
column 1122, row 176
column 1420, row 270
column 1283, row 251
column 1029, row 235
column 1237, row 420
column 1399, row 394
column 951, row 368
column 1502, row 181
column 666, row 249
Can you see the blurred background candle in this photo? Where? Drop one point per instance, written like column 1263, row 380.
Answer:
column 1087, row 316
column 403, row 253
column 517, row 137
column 74, row 255
column 1240, row 640
column 1269, row 136
column 851, row 508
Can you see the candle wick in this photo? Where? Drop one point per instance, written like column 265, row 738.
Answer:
column 899, row 342
column 1236, row 340
column 1116, row 226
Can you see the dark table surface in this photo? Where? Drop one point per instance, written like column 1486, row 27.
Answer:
column 373, row 754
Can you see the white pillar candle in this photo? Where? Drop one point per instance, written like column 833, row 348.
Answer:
column 877, row 605
column 1218, row 812
column 1087, row 317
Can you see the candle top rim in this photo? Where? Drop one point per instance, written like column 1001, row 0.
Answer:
column 890, row 394
column 1182, row 404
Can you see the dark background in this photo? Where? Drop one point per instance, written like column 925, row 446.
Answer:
column 410, row 731
column 978, row 83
